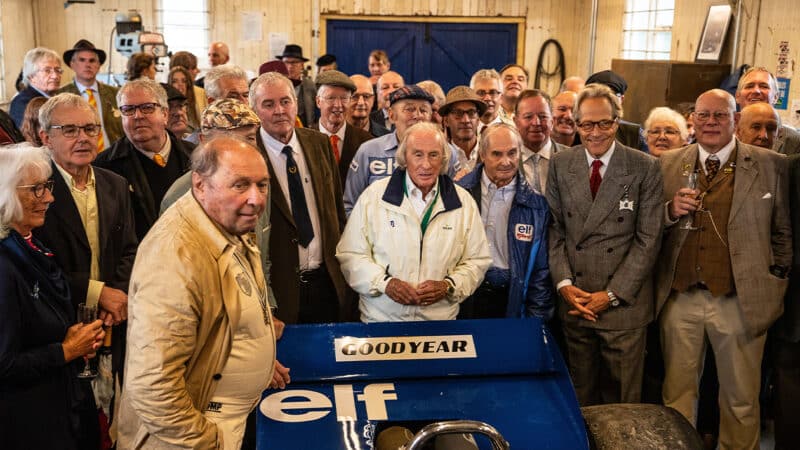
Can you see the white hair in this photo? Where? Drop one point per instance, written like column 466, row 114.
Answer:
column 17, row 161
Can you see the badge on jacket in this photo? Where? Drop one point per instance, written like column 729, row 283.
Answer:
column 626, row 204
column 244, row 283
column 523, row 232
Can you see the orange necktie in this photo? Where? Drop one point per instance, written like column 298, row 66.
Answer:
column 93, row 103
column 158, row 159
column 335, row 145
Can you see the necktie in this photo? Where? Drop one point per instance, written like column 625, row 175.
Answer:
column 537, row 179
column 158, row 159
column 594, row 178
column 335, row 145
column 712, row 167
column 93, row 103
column 298, row 198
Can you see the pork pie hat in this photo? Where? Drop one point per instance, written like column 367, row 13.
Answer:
column 461, row 94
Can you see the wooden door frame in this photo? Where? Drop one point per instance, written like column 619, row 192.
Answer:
column 519, row 21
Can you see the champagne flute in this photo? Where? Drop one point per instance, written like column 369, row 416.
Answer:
column 691, row 183
column 86, row 315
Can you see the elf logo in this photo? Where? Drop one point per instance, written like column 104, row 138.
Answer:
column 381, row 167
column 303, row 405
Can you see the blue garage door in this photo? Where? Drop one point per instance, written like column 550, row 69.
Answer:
column 448, row 53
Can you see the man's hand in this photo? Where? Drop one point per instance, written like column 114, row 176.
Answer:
column 430, row 292
column 114, row 305
column 279, row 326
column 684, row 202
column 598, row 302
column 578, row 298
column 82, row 340
column 401, row 292
column 280, row 376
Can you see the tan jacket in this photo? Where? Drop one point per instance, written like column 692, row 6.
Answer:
column 182, row 310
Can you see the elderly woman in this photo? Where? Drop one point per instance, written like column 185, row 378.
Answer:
column 414, row 246
column 42, row 402
column 665, row 129
column 141, row 65
column 41, row 74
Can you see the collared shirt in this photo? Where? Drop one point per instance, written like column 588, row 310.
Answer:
column 495, row 207
column 415, row 197
column 497, row 119
column 723, row 154
column 605, row 159
column 164, row 152
column 309, row 257
column 86, row 204
column 528, row 165
column 464, row 161
column 339, row 133
column 96, row 90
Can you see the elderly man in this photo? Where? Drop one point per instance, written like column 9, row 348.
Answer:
column 758, row 125
column 227, row 81
column 148, row 156
column 177, row 119
column 201, row 340
column 564, row 132
column 41, row 74
column 461, row 112
column 218, row 54
column 535, row 123
column 572, row 84
column 515, row 80
column 334, row 95
column 85, row 60
column 306, row 211
column 487, row 85
column 518, row 282
column 604, row 239
column 375, row 159
column 388, row 82
column 758, row 85
column 360, row 107
column 89, row 227
column 404, row 271
column 725, row 259
column 304, row 88
column 628, row 133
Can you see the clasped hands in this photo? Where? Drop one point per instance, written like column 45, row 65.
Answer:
column 585, row 304
column 426, row 293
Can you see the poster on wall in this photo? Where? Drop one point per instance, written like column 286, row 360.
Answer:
column 714, row 32
column 782, row 101
column 783, row 74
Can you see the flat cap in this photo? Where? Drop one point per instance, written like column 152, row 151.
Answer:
column 610, row 79
column 410, row 92
column 335, row 78
column 462, row 94
column 228, row 114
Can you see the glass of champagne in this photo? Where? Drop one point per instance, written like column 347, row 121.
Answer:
column 691, row 183
column 86, row 315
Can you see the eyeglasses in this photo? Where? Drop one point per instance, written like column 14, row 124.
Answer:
column 51, row 70
column 492, row 93
column 669, row 132
column 72, row 131
column 145, row 108
column 719, row 116
column 460, row 113
column 411, row 109
column 344, row 99
column 38, row 188
column 365, row 97
column 588, row 125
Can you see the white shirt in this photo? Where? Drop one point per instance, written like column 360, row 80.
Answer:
column 723, row 154
column 495, row 207
column 339, row 133
column 96, row 89
column 415, row 197
column 309, row 257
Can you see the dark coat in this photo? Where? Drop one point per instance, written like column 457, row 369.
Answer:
column 20, row 102
column 121, row 159
column 377, row 123
column 629, row 134
column 7, row 124
column 788, row 326
column 283, row 236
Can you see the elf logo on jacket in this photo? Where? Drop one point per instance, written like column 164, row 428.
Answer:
column 382, row 166
column 523, row 232
column 304, row 405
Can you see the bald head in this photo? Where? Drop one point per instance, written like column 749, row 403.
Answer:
column 714, row 119
column 388, row 83
column 218, row 53
column 574, row 84
column 758, row 125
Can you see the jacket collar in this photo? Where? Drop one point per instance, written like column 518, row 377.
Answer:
column 447, row 191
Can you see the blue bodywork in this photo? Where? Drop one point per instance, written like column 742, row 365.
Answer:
column 349, row 379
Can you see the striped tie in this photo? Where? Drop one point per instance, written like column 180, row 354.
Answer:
column 93, row 103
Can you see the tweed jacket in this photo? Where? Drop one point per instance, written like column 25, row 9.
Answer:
column 283, row 235
column 610, row 243
column 787, row 141
column 112, row 120
column 759, row 231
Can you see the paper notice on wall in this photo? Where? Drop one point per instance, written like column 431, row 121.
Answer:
column 277, row 41
column 251, row 26
column 785, row 63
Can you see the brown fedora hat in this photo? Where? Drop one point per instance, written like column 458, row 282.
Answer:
column 82, row 45
column 461, row 94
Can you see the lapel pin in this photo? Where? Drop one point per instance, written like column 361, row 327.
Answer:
column 626, row 205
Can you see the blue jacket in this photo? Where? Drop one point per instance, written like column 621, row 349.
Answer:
column 530, row 291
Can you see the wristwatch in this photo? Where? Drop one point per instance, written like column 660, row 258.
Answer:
column 612, row 299
column 451, row 286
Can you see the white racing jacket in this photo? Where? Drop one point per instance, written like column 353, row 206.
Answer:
column 383, row 240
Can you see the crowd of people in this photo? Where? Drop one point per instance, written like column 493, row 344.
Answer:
column 200, row 216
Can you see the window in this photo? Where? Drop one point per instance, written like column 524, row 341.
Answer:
column 184, row 24
column 647, row 29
